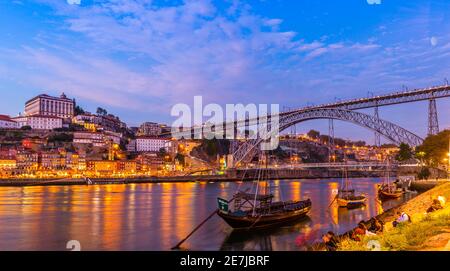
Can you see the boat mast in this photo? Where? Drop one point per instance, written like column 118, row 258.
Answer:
column 388, row 181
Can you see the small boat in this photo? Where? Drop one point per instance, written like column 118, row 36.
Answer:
column 258, row 211
column 346, row 196
column 264, row 213
column 388, row 190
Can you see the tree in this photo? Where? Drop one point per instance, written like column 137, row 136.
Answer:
column 313, row 134
column 162, row 152
column 78, row 110
column 405, row 153
column 435, row 148
column 424, row 173
column 180, row 158
column 26, row 128
column 101, row 111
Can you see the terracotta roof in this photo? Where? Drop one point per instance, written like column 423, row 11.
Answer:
column 48, row 97
column 151, row 137
column 38, row 116
column 6, row 118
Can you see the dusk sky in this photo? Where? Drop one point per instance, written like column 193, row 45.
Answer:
column 137, row 58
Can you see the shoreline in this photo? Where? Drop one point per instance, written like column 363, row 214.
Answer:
column 173, row 179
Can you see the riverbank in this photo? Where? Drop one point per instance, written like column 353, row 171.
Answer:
column 425, row 232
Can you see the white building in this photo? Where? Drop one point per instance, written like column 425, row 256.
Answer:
column 95, row 139
column 39, row 122
column 152, row 144
column 7, row 123
column 46, row 105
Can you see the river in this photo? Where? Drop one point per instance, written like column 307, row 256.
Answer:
column 156, row 216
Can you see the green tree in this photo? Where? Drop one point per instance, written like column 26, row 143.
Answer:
column 313, row 134
column 405, row 153
column 78, row 110
column 435, row 148
column 162, row 152
column 180, row 158
column 424, row 173
column 26, row 128
column 101, row 111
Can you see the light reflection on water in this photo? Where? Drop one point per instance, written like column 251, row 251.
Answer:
column 157, row 216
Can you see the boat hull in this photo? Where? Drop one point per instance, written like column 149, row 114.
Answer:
column 264, row 221
column 351, row 203
column 389, row 195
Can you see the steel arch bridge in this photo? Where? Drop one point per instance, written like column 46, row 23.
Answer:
column 390, row 131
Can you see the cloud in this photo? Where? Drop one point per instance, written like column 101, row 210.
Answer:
column 373, row 2
column 433, row 41
column 74, row 2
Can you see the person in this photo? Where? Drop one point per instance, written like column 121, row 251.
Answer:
column 331, row 241
column 436, row 205
column 359, row 231
column 376, row 225
column 402, row 218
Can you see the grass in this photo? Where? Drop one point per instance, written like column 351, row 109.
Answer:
column 410, row 236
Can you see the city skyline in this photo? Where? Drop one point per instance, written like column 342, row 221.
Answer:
column 145, row 57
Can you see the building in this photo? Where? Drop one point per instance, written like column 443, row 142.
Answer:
column 45, row 105
column 113, row 137
column 96, row 139
column 39, row 122
column 7, row 123
column 152, row 144
column 150, row 129
column 131, row 146
column 127, row 166
column 7, row 164
column 52, row 160
column 149, row 162
column 27, row 161
column 94, row 123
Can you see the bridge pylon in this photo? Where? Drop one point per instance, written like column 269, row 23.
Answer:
column 376, row 134
column 330, row 140
column 433, row 124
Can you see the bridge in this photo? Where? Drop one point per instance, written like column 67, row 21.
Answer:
column 342, row 110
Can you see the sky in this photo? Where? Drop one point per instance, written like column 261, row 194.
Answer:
column 138, row 58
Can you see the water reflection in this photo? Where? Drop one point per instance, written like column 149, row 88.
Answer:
column 157, row 216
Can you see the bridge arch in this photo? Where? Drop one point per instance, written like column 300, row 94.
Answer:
column 390, row 131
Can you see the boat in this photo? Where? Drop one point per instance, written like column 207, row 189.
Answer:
column 347, row 197
column 388, row 190
column 264, row 213
column 259, row 211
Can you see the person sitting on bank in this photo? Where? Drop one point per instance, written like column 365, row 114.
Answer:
column 359, row 231
column 402, row 218
column 376, row 225
column 436, row 205
column 331, row 241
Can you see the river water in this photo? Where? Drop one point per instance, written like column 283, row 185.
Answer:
column 156, row 216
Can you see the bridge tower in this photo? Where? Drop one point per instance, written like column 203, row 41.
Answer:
column 433, row 124
column 377, row 135
column 330, row 140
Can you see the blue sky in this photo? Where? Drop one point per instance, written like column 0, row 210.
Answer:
column 137, row 58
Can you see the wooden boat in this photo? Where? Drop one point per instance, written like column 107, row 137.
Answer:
column 346, row 196
column 388, row 190
column 264, row 214
column 351, row 201
column 257, row 211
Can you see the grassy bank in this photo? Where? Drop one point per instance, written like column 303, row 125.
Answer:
column 425, row 232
